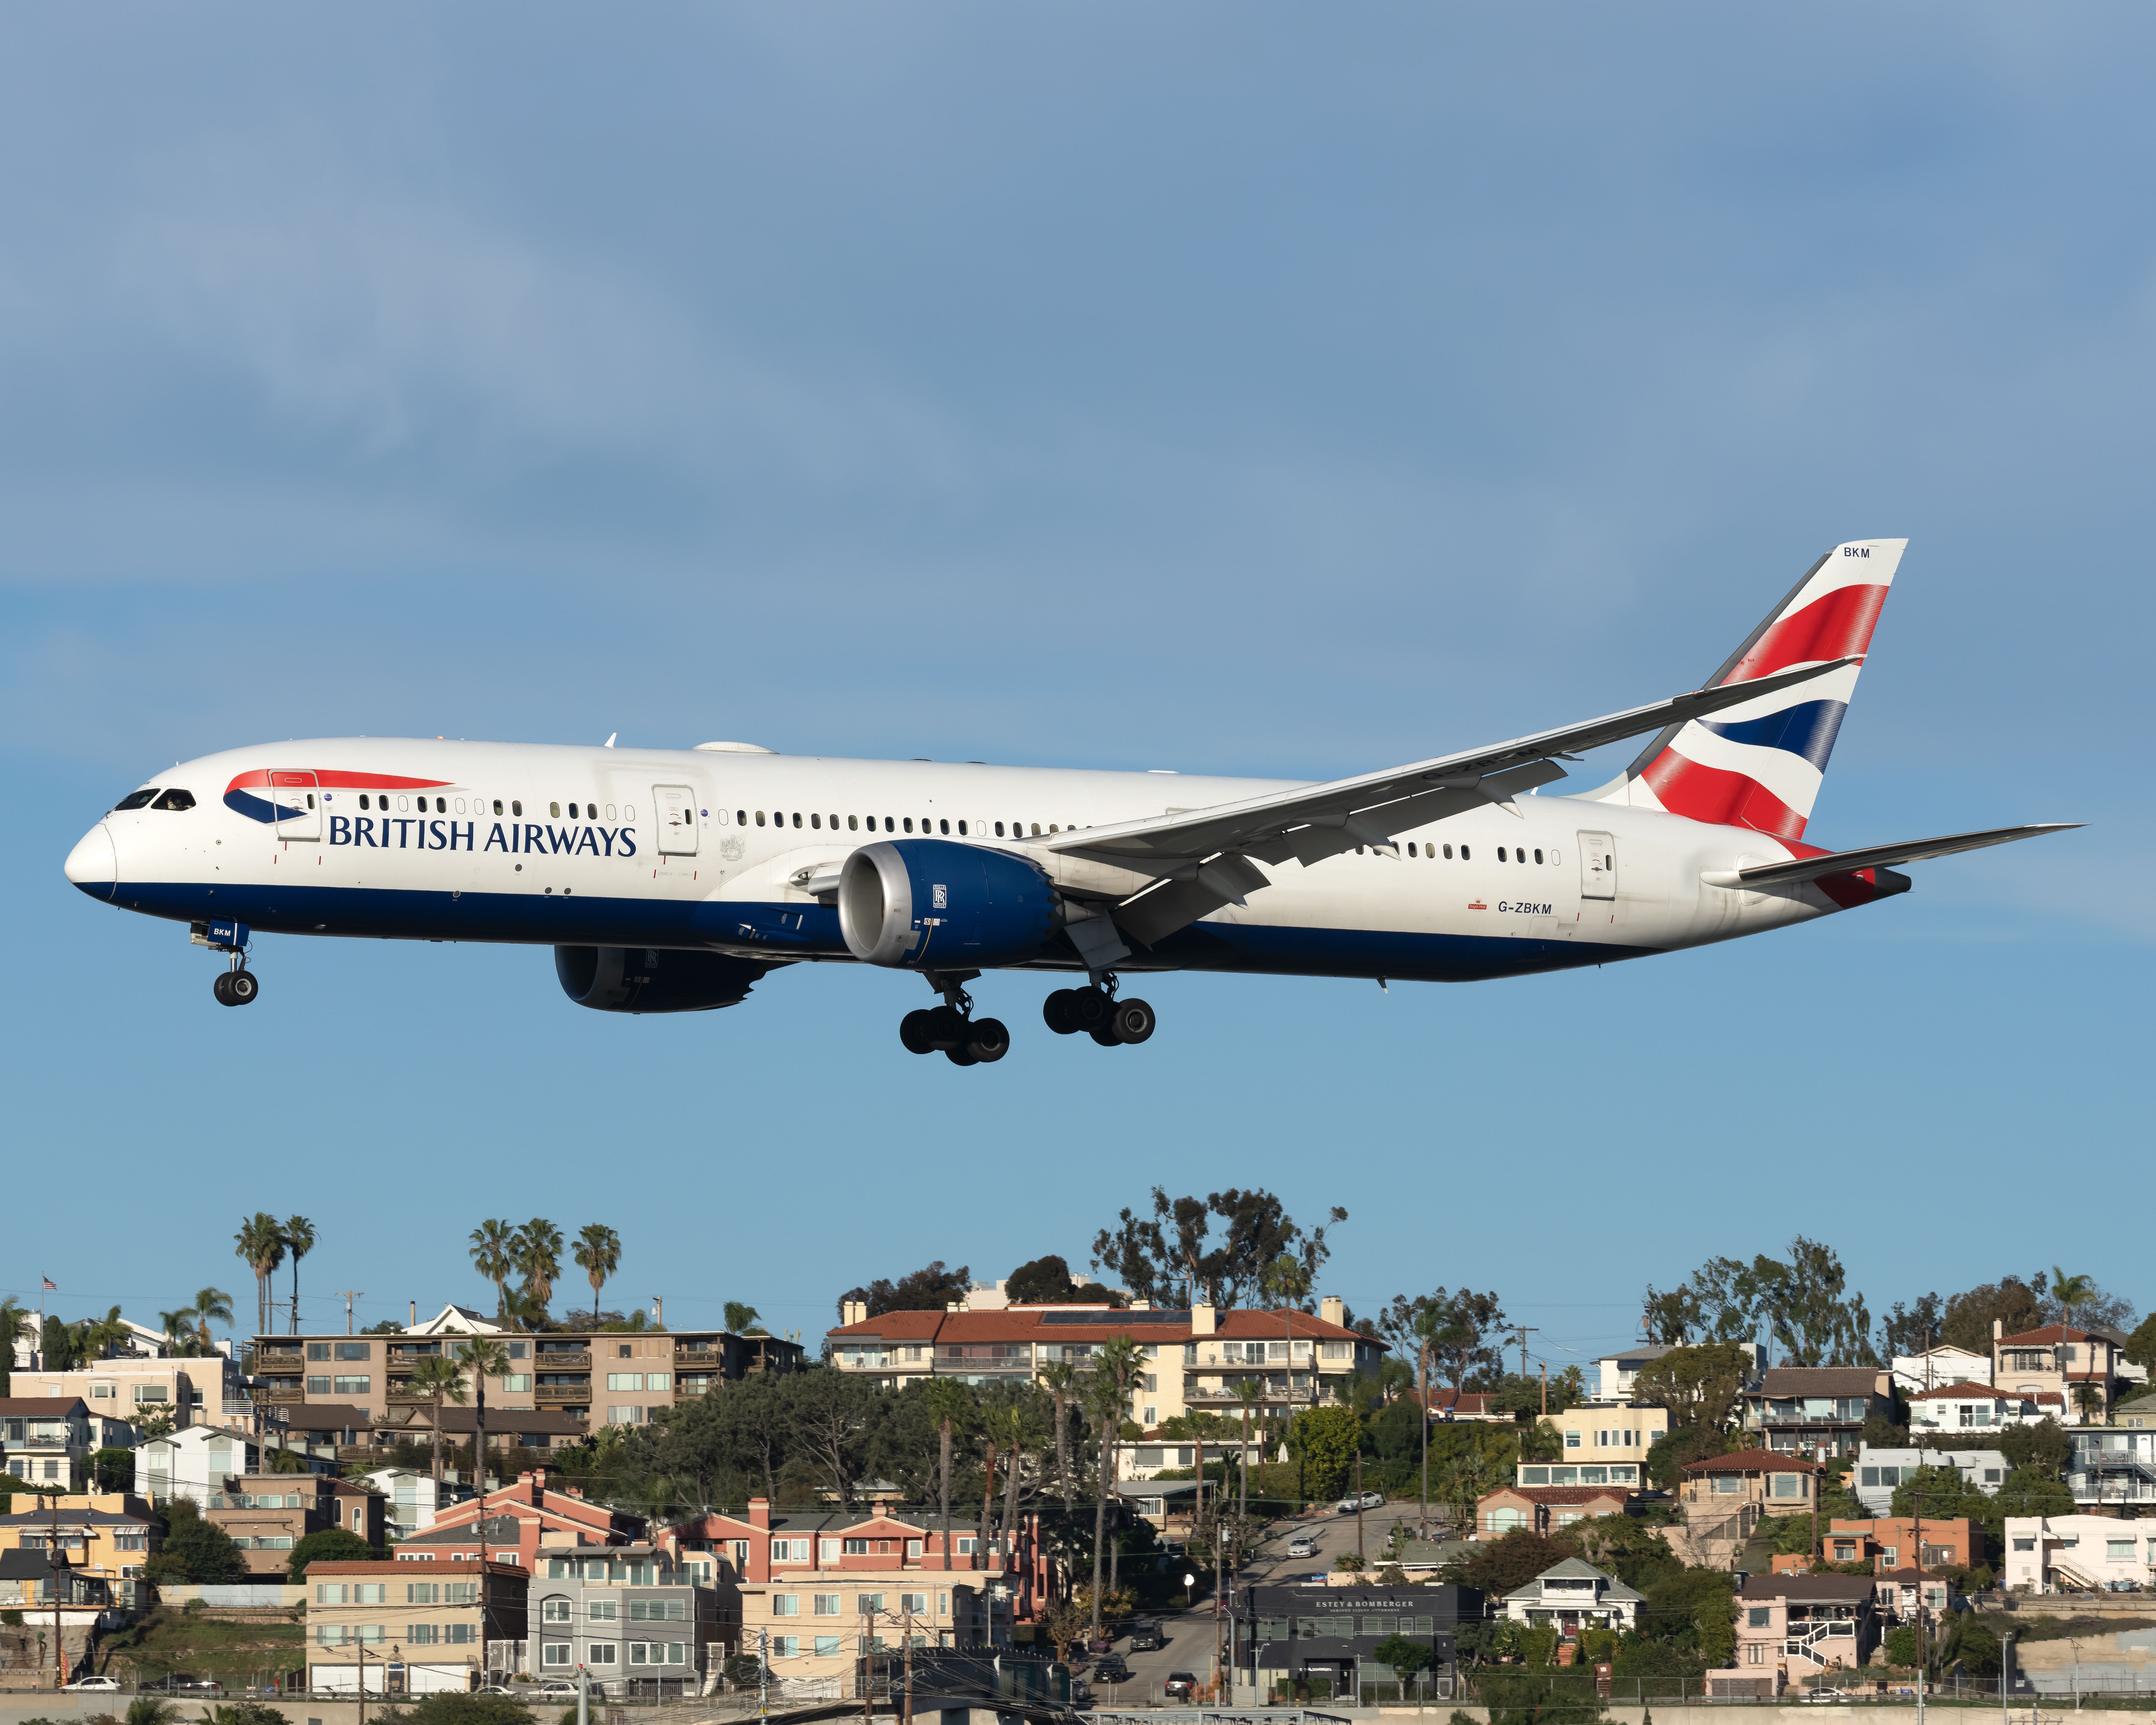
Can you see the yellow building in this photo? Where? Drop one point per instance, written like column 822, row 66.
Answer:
column 109, row 1535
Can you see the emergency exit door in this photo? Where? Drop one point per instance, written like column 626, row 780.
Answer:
column 676, row 804
column 1598, row 865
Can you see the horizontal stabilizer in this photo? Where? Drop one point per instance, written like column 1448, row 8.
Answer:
column 1877, row 856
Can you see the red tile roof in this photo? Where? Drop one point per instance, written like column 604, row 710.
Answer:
column 896, row 1326
column 36, row 1406
column 1969, row 1390
column 1559, row 1494
column 2052, row 1334
column 1753, row 1461
column 1456, row 1401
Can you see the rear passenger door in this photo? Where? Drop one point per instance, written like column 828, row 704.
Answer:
column 676, row 806
column 1598, row 865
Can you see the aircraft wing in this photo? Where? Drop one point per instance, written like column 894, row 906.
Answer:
column 1877, row 856
column 1369, row 808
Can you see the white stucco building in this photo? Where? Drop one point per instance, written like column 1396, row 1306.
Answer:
column 2049, row 1553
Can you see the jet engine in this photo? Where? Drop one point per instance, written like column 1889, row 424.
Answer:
column 924, row 903
column 652, row 978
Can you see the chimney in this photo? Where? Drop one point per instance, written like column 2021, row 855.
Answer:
column 657, row 1312
column 1201, row 1320
column 1333, row 1310
column 1998, row 1328
column 853, row 1311
column 415, row 1314
column 759, row 1513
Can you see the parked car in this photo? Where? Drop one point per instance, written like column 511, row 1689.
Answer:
column 558, row 1689
column 1109, row 1668
column 1081, row 1693
column 494, row 1689
column 1145, row 1635
column 187, row 1683
column 99, row 1684
column 1302, row 1545
column 1180, row 1686
column 1825, row 1695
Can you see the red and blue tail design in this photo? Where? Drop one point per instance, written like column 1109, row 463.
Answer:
column 1760, row 765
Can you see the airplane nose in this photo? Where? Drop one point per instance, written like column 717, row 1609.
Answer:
column 93, row 864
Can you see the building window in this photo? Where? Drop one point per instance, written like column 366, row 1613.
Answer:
column 1572, row 1439
column 604, row 1610
column 826, row 1605
column 554, row 1653
column 355, row 1350
column 349, row 1386
column 785, row 1604
column 827, row 1647
column 554, row 1610
column 598, row 1653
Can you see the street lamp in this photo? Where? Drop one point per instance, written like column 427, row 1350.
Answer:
column 1189, row 1581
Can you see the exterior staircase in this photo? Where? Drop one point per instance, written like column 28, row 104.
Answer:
column 1713, row 1541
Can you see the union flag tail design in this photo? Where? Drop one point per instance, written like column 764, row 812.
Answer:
column 1760, row 765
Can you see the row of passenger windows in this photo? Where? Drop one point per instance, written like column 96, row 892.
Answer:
column 443, row 804
column 1516, row 852
column 896, row 823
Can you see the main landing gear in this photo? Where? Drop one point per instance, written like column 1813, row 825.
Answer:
column 951, row 1030
column 1097, row 1013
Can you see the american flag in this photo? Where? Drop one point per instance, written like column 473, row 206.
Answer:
column 50, row 1283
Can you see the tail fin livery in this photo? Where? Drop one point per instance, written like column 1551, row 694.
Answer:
column 1760, row 765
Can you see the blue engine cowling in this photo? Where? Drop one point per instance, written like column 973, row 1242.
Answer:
column 644, row 979
column 923, row 903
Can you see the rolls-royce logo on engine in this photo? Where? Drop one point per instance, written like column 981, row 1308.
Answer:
column 939, row 898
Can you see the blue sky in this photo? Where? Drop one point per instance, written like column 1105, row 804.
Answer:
column 1237, row 388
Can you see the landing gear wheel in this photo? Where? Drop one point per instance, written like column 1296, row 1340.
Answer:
column 962, row 1057
column 1088, row 1008
column 1056, row 1011
column 1107, row 1037
column 241, row 988
column 989, row 1040
column 913, row 1030
column 222, row 987
column 1133, row 1021
column 947, row 1029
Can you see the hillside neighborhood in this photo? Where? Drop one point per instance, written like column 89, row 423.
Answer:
column 1015, row 1483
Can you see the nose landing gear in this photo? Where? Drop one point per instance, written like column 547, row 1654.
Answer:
column 951, row 1030
column 1095, row 1012
column 236, row 986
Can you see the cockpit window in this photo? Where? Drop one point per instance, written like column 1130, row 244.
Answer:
column 175, row 798
column 133, row 799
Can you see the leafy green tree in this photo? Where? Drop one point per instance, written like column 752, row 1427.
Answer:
column 1967, row 1319
column 537, row 1254
column 214, row 1305
column 2141, row 1346
column 245, row 1711
column 14, row 1323
column 450, row 1707
column 195, row 1550
column 1698, row 1385
column 1173, row 1255
column 1502, row 1565
column 1907, row 1330
column 1901, row 1646
column 1044, row 1282
column 1116, row 1363
column 1694, row 1612
column 1624, row 1546
column 1403, row 1657
column 2043, row 1445
column 1323, row 1442
column 1537, row 1698
column 260, row 1244
column 112, row 1470
column 1801, row 1300
column 332, row 1545
column 439, row 1379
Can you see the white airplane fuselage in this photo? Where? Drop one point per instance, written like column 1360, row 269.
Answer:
column 683, row 849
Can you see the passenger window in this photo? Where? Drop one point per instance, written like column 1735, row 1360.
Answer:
column 177, row 799
column 1036, row 829
column 497, row 805
column 797, row 817
column 834, row 823
column 1411, row 850
column 962, row 829
column 1000, row 829
column 516, row 808
column 816, row 821
column 610, row 811
column 629, row 811
column 853, row 822
column 1501, row 852
column 362, row 799
column 1052, row 827
column 759, row 817
column 441, row 804
column 554, row 811
column 1463, row 853
column 1539, row 856
column 741, row 818
column 909, row 823
column 572, row 811
column 1448, row 852
column 133, row 800
column 946, row 828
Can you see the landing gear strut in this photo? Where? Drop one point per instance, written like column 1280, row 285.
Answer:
column 951, row 1030
column 1096, row 1011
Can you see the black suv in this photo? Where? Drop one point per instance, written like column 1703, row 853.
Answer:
column 1180, row 1686
column 1109, row 1668
column 1145, row 1635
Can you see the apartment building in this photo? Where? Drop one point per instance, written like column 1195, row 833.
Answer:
column 109, row 1535
column 388, row 1628
column 1816, row 1411
column 194, row 1463
column 517, row 1522
column 2113, row 1468
column 1194, row 1360
column 632, row 1615
column 1878, row 1473
column 607, row 1377
column 1974, row 1406
column 2082, row 1370
column 2078, row 1554
column 130, row 1390
column 46, row 1440
column 267, row 1514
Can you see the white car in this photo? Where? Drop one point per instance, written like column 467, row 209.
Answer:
column 1369, row 1500
column 1302, row 1545
column 558, row 1689
column 103, row 1685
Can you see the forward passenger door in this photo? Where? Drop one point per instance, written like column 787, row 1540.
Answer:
column 676, row 806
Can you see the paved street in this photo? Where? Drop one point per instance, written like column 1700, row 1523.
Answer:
column 1189, row 1637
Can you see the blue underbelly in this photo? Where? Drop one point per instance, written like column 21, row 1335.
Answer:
column 782, row 931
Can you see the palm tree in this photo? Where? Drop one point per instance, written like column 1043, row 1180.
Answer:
column 1108, row 1400
column 2070, row 1291
column 299, row 1241
column 176, row 1326
column 948, row 1406
column 261, row 1242
column 102, row 1335
column 493, row 1254
column 742, row 1319
column 438, row 1378
column 211, row 1303
column 152, row 1710
column 1251, row 1394
column 483, row 1357
column 1013, row 1430
column 1060, row 1380
column 598, row 1255
column 538, row 1256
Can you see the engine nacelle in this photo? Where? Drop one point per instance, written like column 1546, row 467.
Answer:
column 932, row 903
column 653, row 979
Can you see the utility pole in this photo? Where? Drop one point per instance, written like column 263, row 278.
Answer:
column 362, row 1686
column 1219, row 1578
column 1545, row 1389
column 1917, row 1539
column 1524, row 1331
column 1360, row 1551
column 351, row 1295
column 905, row 1628
column 583, row 1697
column 52, row 1556
column 2006, row 1676
column 763, row 1670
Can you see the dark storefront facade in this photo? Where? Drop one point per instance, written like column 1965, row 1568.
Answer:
column 1307, row 1641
